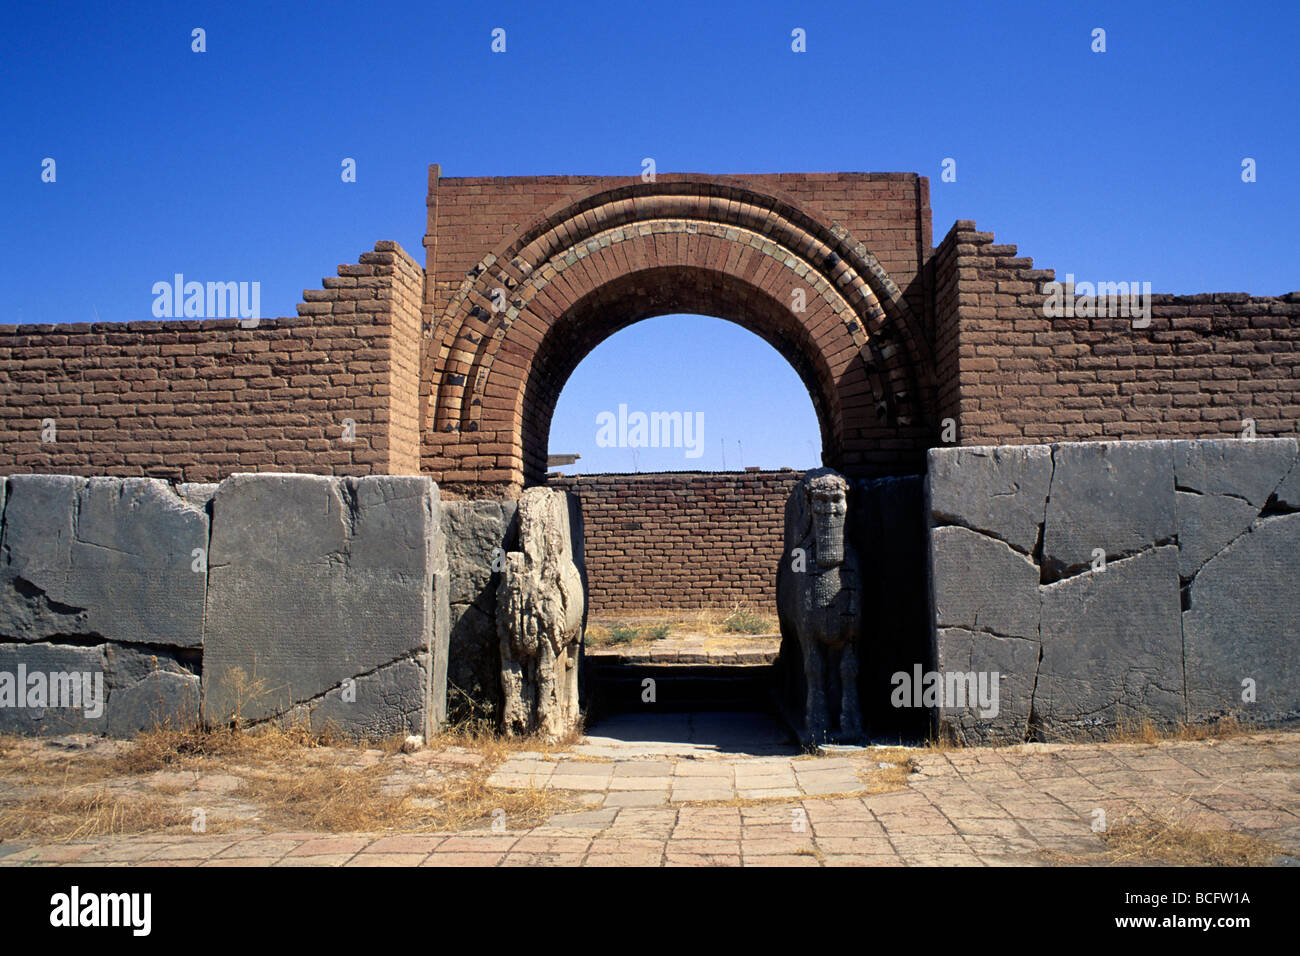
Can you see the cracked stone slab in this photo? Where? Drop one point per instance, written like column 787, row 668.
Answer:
column 1243, row 623
column 1116, row 496
column 1112, row 646
column 1015, row 661
column 998, row 490
column 163, row 698
column 315, row 580
column 1223, row 485
column 380, row 704
column 1249, row 470
column 19, row 661
column 112, row 558
column 1288, row 492
column 981, row 584
column 1207, row 523
column 476, row 532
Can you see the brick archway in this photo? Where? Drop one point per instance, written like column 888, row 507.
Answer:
column 525, row 316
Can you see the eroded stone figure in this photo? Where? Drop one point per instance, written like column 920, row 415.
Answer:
column 819, row 604
column 540, row 603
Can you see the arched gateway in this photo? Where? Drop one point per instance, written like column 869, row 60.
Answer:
column 803, row 261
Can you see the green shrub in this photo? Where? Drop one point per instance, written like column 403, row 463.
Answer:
column 621, row 634
column 744, row 622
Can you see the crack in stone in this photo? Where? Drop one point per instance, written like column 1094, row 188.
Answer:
column 306, row 701
column 1040, row 546
column 1258, row 522
column 1073, row 571
column 1274, row 508
column 1184, row 601
column 1031, row 718
column 1209, row 494
column 950, row 521
column 41, row 598
column 85, row 639
column 976, row 629
column 1031, row 721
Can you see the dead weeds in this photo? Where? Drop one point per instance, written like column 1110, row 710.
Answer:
column 290, row 777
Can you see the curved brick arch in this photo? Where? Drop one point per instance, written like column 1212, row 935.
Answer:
column 666, row 289
column 716, row 248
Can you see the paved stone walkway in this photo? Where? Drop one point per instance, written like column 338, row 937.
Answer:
column 1031, row 804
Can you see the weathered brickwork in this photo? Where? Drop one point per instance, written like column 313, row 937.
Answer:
column 195, row 400
column 1010, row 375
column 683, row 539
column 529, row 274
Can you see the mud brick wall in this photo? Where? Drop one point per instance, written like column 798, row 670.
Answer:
column 1011, row 375
column 1112, row 583
column 682, row 539
column 198, row 400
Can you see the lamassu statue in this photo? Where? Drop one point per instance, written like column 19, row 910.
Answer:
column 540, row 604
column 819, row 605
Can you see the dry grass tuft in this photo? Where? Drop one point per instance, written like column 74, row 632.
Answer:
column 901, row 764
column 1130, row 730
column 650, row 624
column 81, row 813
column 1166, row 835
column 813, row 851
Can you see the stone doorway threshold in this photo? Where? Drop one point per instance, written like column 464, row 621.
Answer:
column 692, row 734
column 755, row 649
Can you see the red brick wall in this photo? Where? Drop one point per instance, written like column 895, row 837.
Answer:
column 1010, row 375
column 470, row 216
column 682, row 539
column 197, row 400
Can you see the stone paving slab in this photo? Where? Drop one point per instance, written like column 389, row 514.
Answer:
column 1025, row 805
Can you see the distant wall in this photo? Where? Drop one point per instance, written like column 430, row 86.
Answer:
column 682, row 539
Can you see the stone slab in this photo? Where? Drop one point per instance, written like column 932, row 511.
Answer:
column 998, row 490
column 1242, row 624
column 981, row 584
column 1112, row 646
column 317, row 580
column 20, row 712
column 110, row 558
column 1207, row 523
column 1014, row 661
column 1113, row 496
column 1249, row 470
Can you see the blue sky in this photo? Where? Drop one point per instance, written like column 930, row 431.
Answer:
column 225, row 165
